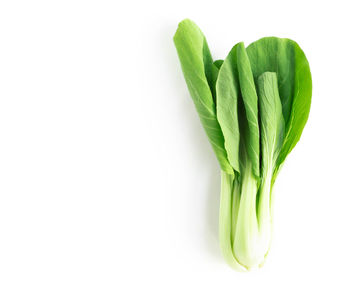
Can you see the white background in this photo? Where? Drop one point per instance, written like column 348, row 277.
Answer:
column 106, row 176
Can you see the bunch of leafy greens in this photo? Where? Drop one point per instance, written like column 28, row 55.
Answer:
column 253, row 106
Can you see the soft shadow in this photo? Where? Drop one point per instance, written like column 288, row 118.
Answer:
column 212, row 211
column 201, row 146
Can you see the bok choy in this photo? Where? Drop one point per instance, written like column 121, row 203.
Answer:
column 253, row 106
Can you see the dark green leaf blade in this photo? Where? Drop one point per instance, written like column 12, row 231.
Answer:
column 198, row 69
column 227, row 90
column 250, row 101
column 214, row 76
column 218, row 63
column 275, row 55
column 301, row 103
column 287, row 60
column 271, row 120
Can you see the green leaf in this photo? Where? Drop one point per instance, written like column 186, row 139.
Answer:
column 239, row 123
column 198, row 69
column 250, row 101
column 218, row 63
column 215, row 72
column 287, row 60
column 227, row 90
column 271, row 119
column 301, row 103
column 275, row 55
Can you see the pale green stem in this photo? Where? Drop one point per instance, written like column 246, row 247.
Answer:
column 236, row 198
column 246, row 237
column 264, row 212
column 225, row 221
